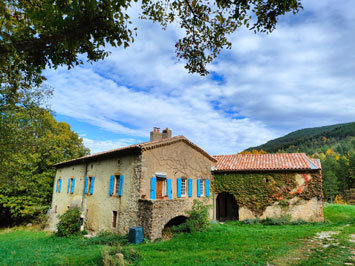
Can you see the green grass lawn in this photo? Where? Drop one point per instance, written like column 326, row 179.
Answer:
column 223, row 244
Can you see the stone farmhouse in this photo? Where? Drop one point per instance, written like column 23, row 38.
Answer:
column 153, row 184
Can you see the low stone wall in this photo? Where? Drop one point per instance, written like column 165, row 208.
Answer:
column 154, row 215
column 307, row 210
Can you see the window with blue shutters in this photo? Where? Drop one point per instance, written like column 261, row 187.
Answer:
column 116, row 185
column 56, row 186
column 89, row 185
column 190, row 187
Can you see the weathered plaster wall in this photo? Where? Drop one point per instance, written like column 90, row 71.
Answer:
column 62, row 200
column 97, row 209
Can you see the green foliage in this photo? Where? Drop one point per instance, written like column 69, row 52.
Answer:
column 339, row 213
column 44, row 33
column 69, row 223
column 198, row 219
column 31, row 141
column 256, row 191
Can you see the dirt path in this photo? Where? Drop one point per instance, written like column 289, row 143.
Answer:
column 322, row 249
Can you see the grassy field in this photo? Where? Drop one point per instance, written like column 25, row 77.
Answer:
column 223, row 244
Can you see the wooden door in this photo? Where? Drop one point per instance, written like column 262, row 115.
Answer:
column 160, row 188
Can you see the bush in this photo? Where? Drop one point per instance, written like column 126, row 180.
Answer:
column 198, row 218
column 273, row 221
column 69, row 223
column 276, row 221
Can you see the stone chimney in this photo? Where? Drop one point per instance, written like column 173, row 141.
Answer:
column 155, row 134
column 167, row 133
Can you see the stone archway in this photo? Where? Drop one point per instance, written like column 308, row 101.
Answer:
column 175, row 221
column 227, row 208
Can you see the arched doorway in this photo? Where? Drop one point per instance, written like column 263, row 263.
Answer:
column 227, row 208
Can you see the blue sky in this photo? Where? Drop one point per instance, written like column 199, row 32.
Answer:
column 301, row 75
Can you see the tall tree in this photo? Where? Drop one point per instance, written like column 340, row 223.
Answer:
column 39, row 33
column 31, row 141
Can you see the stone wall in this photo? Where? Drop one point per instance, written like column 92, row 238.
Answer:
column 307, row 210
column 154, row 215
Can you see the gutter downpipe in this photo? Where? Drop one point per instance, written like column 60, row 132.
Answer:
column 213, row 202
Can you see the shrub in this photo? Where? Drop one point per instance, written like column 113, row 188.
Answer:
column 251, row 221
column 198, row 218
column 276, row 221
column 69, row 223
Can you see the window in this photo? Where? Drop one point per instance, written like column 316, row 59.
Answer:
column 71, row 185
column 114, row 219
column 89, row 185
column 161, row 187
column 183, row 187
column 59, row 185
column 202, row 187
column 116, row 185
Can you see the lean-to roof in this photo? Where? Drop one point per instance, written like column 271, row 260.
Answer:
column 265, row 162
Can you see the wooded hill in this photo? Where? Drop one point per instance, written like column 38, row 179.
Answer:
column 340, row 138
column 334, row 145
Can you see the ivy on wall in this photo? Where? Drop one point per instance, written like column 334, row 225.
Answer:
column 256, row 191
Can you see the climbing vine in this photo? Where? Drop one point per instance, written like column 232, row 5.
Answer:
column 256, row 191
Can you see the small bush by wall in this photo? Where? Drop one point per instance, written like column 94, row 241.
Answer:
column 69, row 223
column 198, row 218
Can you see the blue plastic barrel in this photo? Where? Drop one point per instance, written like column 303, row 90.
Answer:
column 136, row 235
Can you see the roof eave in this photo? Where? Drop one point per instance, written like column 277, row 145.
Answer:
column 130, row 151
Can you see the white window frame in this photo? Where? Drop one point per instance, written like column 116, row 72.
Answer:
column 202, row 187
column 183, row 187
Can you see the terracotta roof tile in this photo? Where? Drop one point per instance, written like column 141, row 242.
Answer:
column 266, row 162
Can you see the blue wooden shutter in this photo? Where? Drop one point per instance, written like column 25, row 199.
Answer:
column 120, row 186
column 56, row 187
column 60, row 185
column 153, row 188
column 92, row 185
column 68, row 185
column 72, row 185
column 179, row 187
column 207, row 188
column 111, row 185
column 198, row 187
column 168, row 188
column 190, row 188
column 86, row 185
